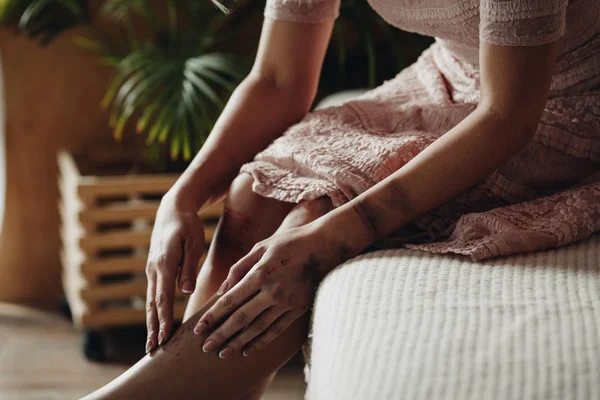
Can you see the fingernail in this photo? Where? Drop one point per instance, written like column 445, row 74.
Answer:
column 248, row 351
column 209, row 345
column 187, row 287
column 226, row 352
column 223, row 288
column 161, row 336
column 149, row 346
column 198, row 329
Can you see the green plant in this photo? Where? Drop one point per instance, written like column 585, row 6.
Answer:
column 43, row 19
column 174, row 82
column 170, row 80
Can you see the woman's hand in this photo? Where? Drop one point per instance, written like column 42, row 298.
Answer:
column 176, row 245
column 268, row 289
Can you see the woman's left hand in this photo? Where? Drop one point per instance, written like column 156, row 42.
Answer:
column 268, row 289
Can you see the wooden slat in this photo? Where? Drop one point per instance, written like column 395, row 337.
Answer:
column 82, row 268
column 91, row 187
column 125, row 239
column 114, row 240
column 119, row 212
column 114, row 265
column 93, row 269
column 123, row 317
column 119, row 290
column 126, row 212
column 112, row 291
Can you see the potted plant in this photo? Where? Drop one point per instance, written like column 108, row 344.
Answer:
column 172, row 72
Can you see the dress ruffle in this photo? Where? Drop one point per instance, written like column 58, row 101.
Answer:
column 545, row 196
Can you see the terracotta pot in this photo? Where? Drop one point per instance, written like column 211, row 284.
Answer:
column 51, row 100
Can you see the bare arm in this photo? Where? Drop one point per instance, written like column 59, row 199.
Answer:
column 278, row 92
column 515, row 84
column 285, row 268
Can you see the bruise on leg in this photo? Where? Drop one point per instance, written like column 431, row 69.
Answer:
column 235, row 231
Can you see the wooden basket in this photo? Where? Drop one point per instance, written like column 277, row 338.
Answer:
column 107, row 221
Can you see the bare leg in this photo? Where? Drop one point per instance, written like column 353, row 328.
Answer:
column 247, row 219
column 180, row 369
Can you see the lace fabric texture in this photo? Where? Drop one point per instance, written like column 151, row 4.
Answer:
column 545, row 196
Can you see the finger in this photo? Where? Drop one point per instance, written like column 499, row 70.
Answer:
column 228, row 302
column 193, row 250
column 165, row 288
column 273, row 331
column 151, row 313
column 237, row 321
column 256, row 328
column 241, row 268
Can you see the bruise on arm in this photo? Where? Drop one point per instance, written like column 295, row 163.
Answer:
column 376, row 212
column 515, row 83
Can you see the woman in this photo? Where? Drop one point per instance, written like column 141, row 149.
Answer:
column 488, row 145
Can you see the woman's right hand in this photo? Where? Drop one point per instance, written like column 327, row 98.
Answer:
column 176, row 245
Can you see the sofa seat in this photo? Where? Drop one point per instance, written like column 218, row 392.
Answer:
column 405, row 324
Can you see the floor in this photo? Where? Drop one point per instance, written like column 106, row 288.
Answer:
column 41, row 359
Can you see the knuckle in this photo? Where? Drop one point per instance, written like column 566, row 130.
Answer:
column 149, row 269
column 258, row 275
column 234, row 270
column 162, row 262
column 226, row 302
column 240, row 318
column 208, row 318
column 258, row 246
column 160, row 300
column 150, row 305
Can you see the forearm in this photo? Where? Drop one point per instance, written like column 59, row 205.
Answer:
column 457, row 160
column 255, row 115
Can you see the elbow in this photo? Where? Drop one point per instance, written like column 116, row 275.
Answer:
column 520, row 122
column 299, row 92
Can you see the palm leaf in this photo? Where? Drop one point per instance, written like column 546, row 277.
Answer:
column 46, row 19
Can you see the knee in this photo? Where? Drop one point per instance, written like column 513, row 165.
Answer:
column 310, row 210
column 317, row 207
column 241, row 187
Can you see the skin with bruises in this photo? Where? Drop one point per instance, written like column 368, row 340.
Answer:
column 374, row 213
column 279, row 277
column 310, row 271
column 514, row 89
column 235, row 230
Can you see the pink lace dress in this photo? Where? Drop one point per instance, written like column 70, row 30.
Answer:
column 545, row 196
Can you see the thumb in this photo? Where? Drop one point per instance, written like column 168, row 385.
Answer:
column 193, row 248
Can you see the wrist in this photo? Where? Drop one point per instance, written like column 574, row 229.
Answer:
column 185, row 196
column 345, row 231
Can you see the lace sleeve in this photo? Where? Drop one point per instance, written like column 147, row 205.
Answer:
column 522, row 22
column 305, row 11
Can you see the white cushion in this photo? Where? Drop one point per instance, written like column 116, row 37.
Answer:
column 403, row 324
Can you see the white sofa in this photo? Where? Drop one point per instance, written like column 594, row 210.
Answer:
column 405, row 324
